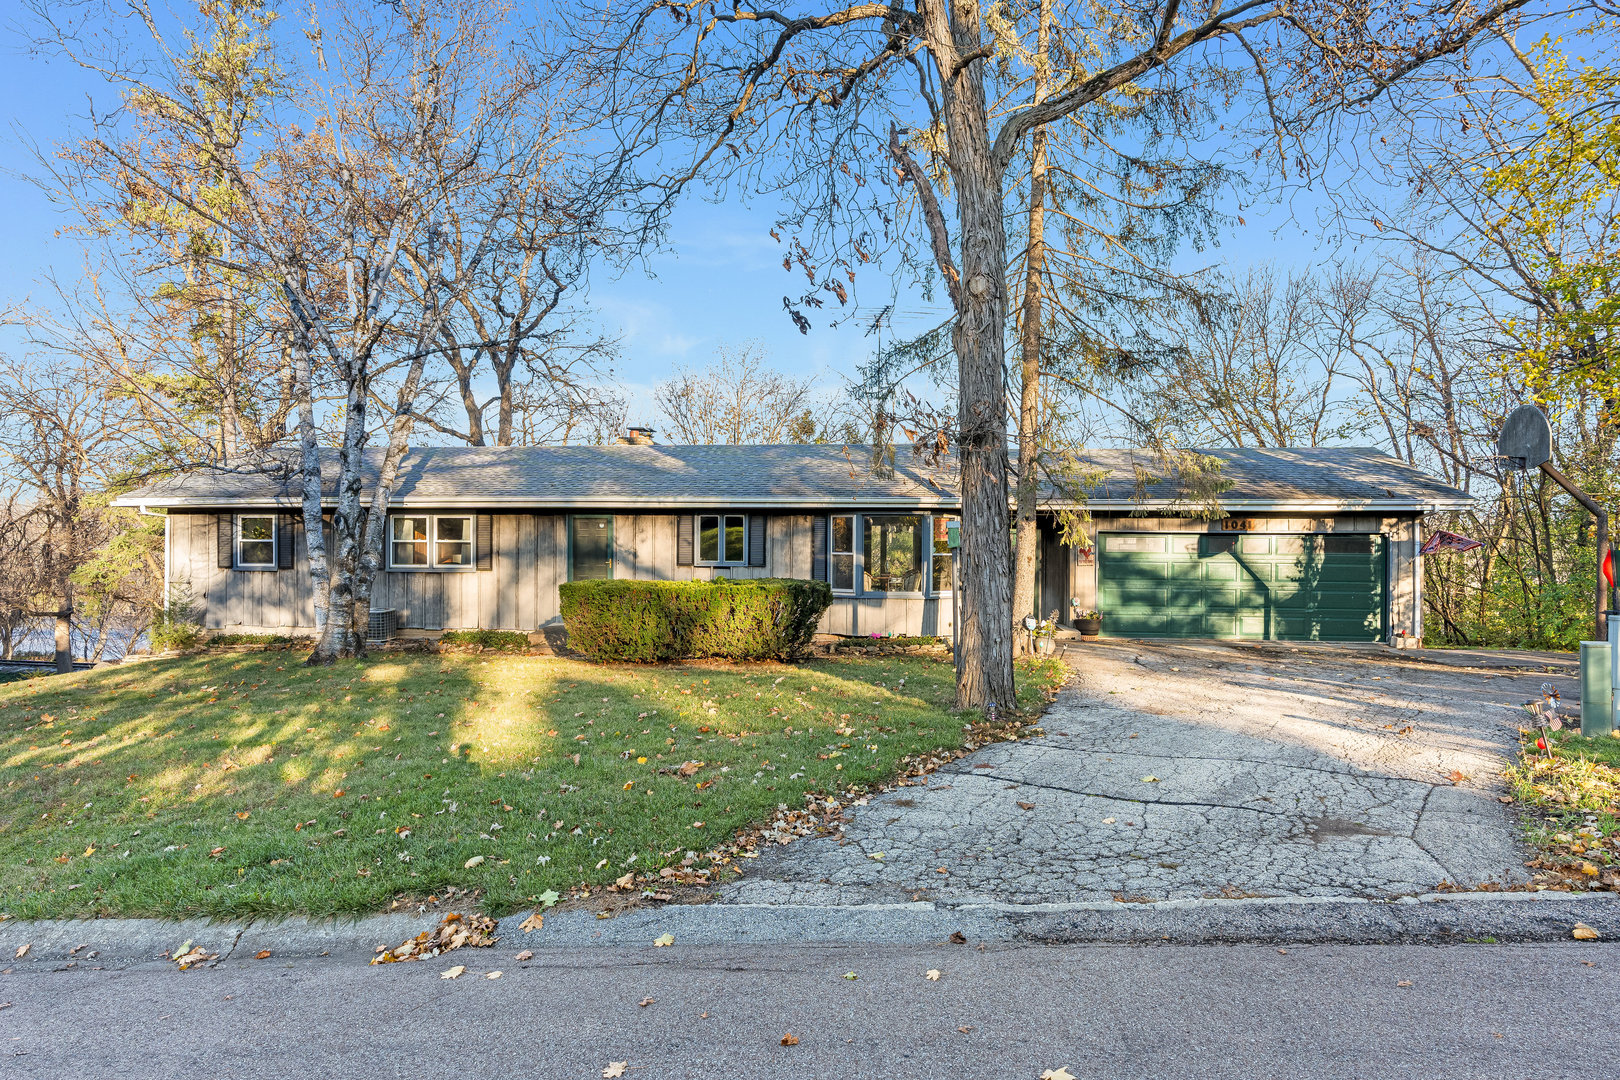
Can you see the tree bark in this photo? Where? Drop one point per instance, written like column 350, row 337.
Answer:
column 338, row 638
column 64, row 632
column 1029, row 398
column 978, row 337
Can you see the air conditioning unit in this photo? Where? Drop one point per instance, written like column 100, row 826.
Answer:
column 382, row 627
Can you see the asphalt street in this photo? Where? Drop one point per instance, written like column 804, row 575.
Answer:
column 1000, row 1013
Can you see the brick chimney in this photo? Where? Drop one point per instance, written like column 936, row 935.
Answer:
column 637, row 436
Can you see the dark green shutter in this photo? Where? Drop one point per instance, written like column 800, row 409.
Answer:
column 683, row 540
column 284, row 541
column 818, row 547
column 225, row 541
column 486, row 542
column 756, row 540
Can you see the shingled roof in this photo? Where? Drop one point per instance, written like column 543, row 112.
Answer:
column 809, row 476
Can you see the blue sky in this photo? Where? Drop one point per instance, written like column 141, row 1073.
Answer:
column 720, row 284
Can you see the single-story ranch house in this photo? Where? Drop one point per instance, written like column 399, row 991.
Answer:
column 1310, row 544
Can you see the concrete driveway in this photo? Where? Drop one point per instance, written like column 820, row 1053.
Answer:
column 1182, row 770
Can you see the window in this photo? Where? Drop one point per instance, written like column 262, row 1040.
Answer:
column 410, row 541
column 722, row 539
column 421, row 542
column 256, row 541
column 1352, row 544
column 452, row 541
column 843, row 553
column 942, row 555
column 892, row 554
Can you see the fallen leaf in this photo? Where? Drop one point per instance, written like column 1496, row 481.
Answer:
column 1059, row 1073
column 626, row 881
column 965, row 1030
column 548, row 898
column 1148, row 780
column 646, row 1001
column 242, row 815
column 958, row 938
column 614, row 1068
column 454, row 973
column 526, row 954
column 790, row 1039
column 534, row 922
column 1456, row 776
column 850, row 975
column 190, row 958
column 476, row 860
column 22, row 951
column 262, row 954
column 1404, row 982
column 662, row 940
column 493, row 975
column 932, row 975
column 1582, row 932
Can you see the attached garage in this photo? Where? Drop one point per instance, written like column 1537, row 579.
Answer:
column 1315, row 544
column 1273, row 587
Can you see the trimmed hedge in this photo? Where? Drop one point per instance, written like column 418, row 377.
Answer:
column 747, row 619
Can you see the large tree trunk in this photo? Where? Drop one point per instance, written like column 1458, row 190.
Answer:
column 338, row 638
column 978, row 336
column 1029, row 398
column 320, row 567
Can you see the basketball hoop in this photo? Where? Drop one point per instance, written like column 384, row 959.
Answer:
column 1525, row 441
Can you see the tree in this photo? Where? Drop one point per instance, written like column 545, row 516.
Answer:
column 736, row 401
column 804, row 100
column 63, row 444
column 370, row 194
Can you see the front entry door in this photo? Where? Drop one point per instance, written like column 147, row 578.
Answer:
column 590, row 547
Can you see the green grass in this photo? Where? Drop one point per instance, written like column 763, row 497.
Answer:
column 1574, row 798
column 238, row 784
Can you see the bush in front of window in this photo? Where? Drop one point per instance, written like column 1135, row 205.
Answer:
column 753, row 619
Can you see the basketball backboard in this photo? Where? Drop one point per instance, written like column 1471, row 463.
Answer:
column 1526, row 438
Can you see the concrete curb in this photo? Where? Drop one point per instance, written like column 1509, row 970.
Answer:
column 1449, row 918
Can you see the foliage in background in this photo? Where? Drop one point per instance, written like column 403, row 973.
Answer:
column 745, row 619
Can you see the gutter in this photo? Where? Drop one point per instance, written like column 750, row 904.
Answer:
column 1233, row 506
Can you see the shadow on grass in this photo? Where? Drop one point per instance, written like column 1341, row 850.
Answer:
column 245, row 784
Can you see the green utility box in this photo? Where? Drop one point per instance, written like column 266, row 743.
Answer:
column 1597, row 689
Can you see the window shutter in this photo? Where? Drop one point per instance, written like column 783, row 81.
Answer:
column 225, row 534
column 284, row 541
column 486, row 542
column 756, row 540
column 818, row 547
column 683, row 540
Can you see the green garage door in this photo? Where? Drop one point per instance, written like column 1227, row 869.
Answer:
column 1285, row 588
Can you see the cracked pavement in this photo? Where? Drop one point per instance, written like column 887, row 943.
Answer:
column 1176, row 770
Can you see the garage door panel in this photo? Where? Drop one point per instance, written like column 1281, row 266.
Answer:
column 1285, row 587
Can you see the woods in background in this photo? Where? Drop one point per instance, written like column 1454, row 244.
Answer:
column 360, row 225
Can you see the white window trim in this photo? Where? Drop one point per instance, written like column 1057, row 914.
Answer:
column 697, row 539
column 433, row 566
column 858, row 560
column 275, row 543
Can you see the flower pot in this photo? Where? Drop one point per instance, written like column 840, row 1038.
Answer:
column 1090, row 629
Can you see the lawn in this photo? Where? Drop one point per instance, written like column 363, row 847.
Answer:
column 1574, row 795
column 235, row 784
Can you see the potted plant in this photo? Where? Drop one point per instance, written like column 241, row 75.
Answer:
column 1089, row 622
column 1045, row 635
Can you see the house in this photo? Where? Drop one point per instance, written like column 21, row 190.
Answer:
column 1308, row 544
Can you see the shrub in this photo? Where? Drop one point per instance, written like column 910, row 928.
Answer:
column 174, row 626
column 488, row 639
column 750, row 619
column 223, row 640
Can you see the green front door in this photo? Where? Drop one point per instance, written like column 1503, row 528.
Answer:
column 1222, row 585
